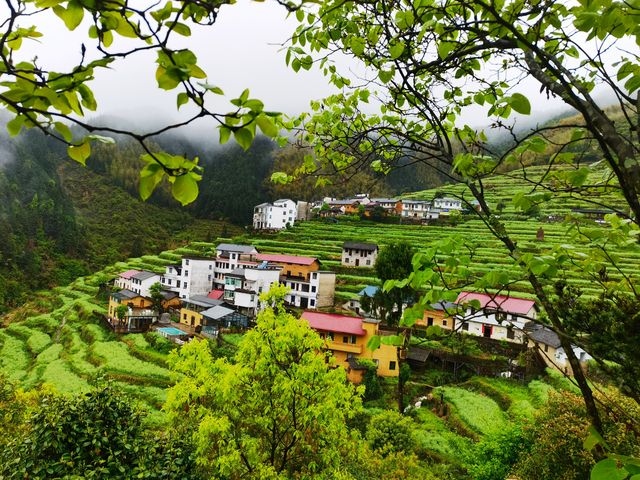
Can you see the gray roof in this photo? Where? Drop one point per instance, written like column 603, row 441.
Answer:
column 448, row 306
column 237, row 272
column 232, row 247
column 217, row 312
column 265, row 204
column 126, row 294
column 343, row 202
column 384, row 200
column 360, row 246
column 421, row 202
column 281, row 200
column 144, row 275
column 203, row 301
column 544, row 335
column 448, row 199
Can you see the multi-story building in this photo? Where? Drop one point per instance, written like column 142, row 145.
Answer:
column 499, row 317
column 357, row 254
column 347, row 337
column 123, row 280
column 172, row 278
column 389, row 205
column 230, row 256
column 196, row 276
column 141, row 282
column 243, row 286
column 275, row 216
column 418, row 210
column 309, row 286
column 447, row 204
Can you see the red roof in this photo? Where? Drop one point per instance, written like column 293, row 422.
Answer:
column 215, row 294
column 498, row 302
column 294, row 259
column 128, row 274
column 331, row 322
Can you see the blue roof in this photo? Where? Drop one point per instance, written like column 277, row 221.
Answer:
column 369, row 291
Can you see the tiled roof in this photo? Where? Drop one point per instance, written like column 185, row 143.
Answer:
column 544, row 335
column 144, row 275
column 360, row 246
column 294, row 259
column 126, row 294
column 128, row 274
column 331, row 322
column 215, row 294
column 442, row 306
column 498, row 302
column 232, row 247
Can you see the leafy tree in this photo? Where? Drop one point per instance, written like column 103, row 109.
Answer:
column 278, row 411
column 157, row 297
column 428, row 61
column 390, row 432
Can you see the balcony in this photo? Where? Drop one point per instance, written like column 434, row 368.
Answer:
column 344, row 347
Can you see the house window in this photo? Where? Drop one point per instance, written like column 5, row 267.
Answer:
column 465, row 326
column 444, row 323
column 186, row 262
column 209, row 277
column 330, row 336
column 186, row 273
column 511, row 334
column 353, row 339
column 392, row 365
column 184, row 316
column 177, row 283
column 345, row 339
column 312, row 303
column 368, row 262
column 546, row 348
column 429, row 321
column 314, row 275
column 313, row 288
column 501, row 316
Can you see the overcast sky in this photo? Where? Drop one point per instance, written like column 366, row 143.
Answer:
column 242, row 50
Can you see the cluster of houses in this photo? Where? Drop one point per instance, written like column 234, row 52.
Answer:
column 221, row 290
column 206, row 294
column 284, row 212
column 499, row 317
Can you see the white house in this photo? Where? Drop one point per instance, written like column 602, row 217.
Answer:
column 499, row 317
column 447, row 204
column 548, row 344
column 275, row 216
column 358, row 254
column 141, row 282
column 388, row 204
column 418, row 210
column 123, row 280
column 196, row 276
column 243, row 286
column 172, row 278
column 230, row 256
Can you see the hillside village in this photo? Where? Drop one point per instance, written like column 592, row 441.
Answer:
column 203, row 296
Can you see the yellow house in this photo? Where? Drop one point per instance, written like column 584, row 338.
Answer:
column 347, row 339
column 127, row 298
column 440, row 314
column 191, row 307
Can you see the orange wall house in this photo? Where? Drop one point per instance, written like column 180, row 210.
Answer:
column 440, row 314
column 292, row 265
column 347, row 339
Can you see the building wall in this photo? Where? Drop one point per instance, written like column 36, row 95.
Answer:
column 367, row 258
column 190, row 317
column 137, row 302
column 326, row 289
column 196, row 277
column 438, row 317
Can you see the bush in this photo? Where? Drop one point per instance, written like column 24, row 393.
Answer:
column 495, row 455
column 390, row 432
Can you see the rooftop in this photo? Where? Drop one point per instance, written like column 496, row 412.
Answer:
column 369, row 291
column 294, row 259
column 498, row 302
column 333, row 322
column 128, row 274
column 144, row 275
column 125, row 294
column 215, row 294
column 442, row 306
column 232, row 247
column 217, row 312
column 360, row 246
column 544, row 335
column 202, row 301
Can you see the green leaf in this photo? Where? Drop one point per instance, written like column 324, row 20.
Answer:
column 150, row 177
column 15, row 125
column 182, row 99
column 391, row 340
column 357, row 46
column 80, row 153
column 607, row 469
column 385, row 75
column 71, row 16
column 63, row 130
column 267, row 125
column 373, row 343
column 396, row 50
column 101, row 139
column 185, row 189
column 520, row 103
column 244, row 137
column 593, row 439
column 225, row 133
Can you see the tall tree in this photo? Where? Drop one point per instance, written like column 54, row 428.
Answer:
column 427, row 61
column 278, row 411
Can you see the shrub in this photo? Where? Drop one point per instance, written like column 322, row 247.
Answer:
column 390, row 432
column 495, row 455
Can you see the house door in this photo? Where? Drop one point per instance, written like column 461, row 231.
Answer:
column 357, row 262
column 304, row 302
column 486, row 331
